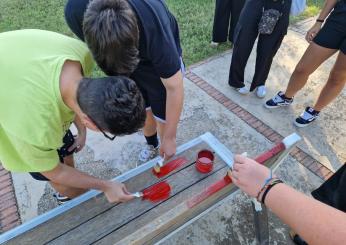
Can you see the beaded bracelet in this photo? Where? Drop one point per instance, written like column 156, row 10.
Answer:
column 265, row 183
column 273, row 183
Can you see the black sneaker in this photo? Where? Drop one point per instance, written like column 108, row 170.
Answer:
column 279, row 100
column 61, row 199
column 307, row 117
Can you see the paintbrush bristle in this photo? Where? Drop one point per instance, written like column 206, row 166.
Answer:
column 157, row 169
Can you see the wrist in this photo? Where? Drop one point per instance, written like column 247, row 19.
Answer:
column 264, row 192
column 104, row 185
column 319, row 21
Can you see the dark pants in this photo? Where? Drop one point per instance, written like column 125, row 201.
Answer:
column 267, row 46
column 225, row 19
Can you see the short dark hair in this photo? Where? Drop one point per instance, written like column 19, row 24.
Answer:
column 111, row 33
column 115, row 104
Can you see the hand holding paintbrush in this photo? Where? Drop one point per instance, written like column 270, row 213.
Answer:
column 116, row 192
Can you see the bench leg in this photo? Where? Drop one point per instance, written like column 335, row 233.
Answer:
column 261, row 222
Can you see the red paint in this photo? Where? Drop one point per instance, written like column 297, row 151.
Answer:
column 157, row 192
column 170, row 166
column 217, row 186
column 271, row 153
column 210, row 190
column 204, row 162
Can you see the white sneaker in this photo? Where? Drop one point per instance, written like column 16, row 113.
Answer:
column 244, row 90
column 148, row 152
column 214, row 44
column 261, row 91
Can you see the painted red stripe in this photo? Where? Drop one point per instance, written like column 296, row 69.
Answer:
column 170, row 167
column 271, row 153
column 210, row 190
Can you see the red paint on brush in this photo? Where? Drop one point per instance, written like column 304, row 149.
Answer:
column 204, row 162
column 157, row 192
column 271, row 153
column 170, row 167
column 210, row 190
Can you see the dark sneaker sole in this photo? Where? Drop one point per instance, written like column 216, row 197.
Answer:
column 274, row 106
column 303, row 125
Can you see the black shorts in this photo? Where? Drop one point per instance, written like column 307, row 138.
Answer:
column 332, row 192
column 333, row 33
column 153, row 90
column 68, row 141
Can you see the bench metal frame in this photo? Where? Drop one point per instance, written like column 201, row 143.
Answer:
column 261, row 217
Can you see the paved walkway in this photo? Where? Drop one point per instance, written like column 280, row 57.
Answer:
column 242, row 124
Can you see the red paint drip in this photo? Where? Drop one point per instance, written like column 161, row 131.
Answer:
column 204, row 162
column 157, row 192
column 210, row 190
column 170, row 167
column 271, row 153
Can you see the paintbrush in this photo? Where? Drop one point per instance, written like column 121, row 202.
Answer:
column 159, row 164
column 155, row 193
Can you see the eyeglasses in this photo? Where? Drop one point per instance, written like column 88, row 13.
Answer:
column 103, row 132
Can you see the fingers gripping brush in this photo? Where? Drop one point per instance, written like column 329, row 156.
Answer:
column 155, row 193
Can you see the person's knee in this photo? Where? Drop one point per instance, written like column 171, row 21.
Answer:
column 337, row 78
column 301, row 70
column 149, row 117
column 150, row 124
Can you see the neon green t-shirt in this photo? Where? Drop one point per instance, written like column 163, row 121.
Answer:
column 33, row 116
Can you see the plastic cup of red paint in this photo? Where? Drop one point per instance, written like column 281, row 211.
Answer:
column 205, row 161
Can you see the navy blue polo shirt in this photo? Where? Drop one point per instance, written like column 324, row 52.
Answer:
column 159, row 45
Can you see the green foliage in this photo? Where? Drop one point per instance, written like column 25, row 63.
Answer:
column 313, row 8
column 195, row 19
column 37, row 14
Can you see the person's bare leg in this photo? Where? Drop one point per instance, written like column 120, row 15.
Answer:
column 160, row 129
column 335, row 84
column 69, row 160
column 150, row 127
column 313, row 57
column 68, row 191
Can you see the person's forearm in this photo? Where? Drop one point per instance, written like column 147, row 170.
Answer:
column 174, row 105
column 314, row 221
column 72, row 177
column 327, row 8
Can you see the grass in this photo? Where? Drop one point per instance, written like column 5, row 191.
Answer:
column 195, row 18
column 313, row 8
